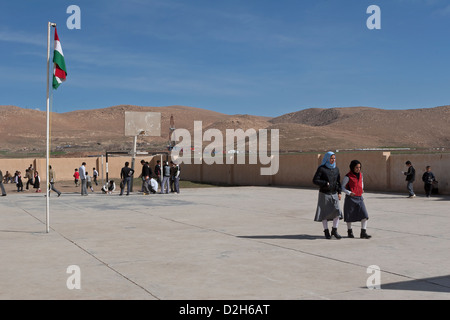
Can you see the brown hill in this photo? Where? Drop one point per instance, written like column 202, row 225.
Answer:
column 90, row 131
column 363, row 127
column 23, row 131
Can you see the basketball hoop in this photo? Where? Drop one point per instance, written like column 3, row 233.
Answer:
column 146, row 124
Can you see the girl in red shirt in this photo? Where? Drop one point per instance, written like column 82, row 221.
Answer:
column 354, row 207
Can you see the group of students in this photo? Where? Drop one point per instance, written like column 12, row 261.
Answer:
column 32, row 176
column 428, row 178
column 33, row 179
column 82, row 174
column 328, row 178
column 167, row 176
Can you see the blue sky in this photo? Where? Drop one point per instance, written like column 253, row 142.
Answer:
column 255, row 57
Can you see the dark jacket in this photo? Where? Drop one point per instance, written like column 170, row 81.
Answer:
column 158, row 170
column 428, row 177
column 146, row 171
column 410, row 174
column 329, row 180
column 126, row 172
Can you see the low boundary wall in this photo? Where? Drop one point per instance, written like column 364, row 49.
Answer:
column 382, row 170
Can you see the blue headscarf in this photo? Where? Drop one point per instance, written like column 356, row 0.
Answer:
column 326, row 160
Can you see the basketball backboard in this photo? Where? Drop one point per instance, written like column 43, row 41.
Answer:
column 147, row 124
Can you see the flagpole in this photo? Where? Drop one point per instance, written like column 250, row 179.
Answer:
column 47, row 220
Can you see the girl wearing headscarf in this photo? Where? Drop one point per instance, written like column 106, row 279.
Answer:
column 354, row 207
column 328, row 179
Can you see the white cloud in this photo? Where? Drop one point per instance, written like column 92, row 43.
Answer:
column 445, row 11
column 23, row 38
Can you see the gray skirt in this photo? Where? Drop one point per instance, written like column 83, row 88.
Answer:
column 354, row 209
column 327, row 207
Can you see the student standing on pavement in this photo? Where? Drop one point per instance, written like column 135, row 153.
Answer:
column 176, row 177
column 126, row 174
column 166, row 178
column 328, row 178
column 145, row 176
column 158, row 171
column 354, row 207
column 82, row 171
column 172, row 177
column 1, row 184
column 428, row 178
column 410, row 178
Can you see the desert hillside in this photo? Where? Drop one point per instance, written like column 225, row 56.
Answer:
column 83, row 132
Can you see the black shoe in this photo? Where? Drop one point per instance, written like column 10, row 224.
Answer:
column 350, row 233
column 327, row 233
column 59, row 195
column 335, row 233
column 364, row 234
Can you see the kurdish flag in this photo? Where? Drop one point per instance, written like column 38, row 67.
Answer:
column 60, row 72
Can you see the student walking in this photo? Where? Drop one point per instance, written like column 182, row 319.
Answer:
column 328, row 178
column 95, row 175
column 18, row 181
column 37, row 182
column 89, row 182
column 52, row 178
column 410, row 178
column 76, row 177
column 29, row 176
column 354, row 207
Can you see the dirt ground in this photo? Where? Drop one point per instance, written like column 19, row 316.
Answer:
column 63, row 186
column 69, row 187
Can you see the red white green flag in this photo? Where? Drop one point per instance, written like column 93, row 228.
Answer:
column 59, row 72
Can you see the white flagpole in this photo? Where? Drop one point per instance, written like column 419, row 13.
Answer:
column 50, row 24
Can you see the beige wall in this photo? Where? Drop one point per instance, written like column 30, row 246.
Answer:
column 382, row 170
column 440, row 166
column 65, row 167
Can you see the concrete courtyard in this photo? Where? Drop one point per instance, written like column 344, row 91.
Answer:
column 239, row 243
